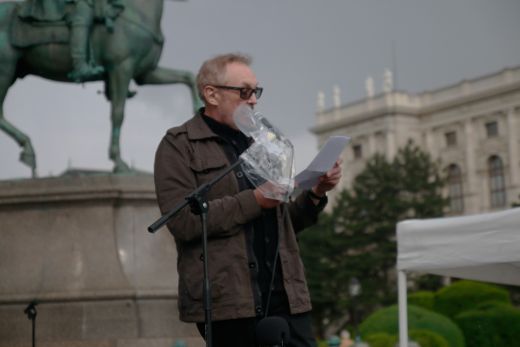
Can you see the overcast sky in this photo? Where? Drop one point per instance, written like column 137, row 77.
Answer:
column 299, row 47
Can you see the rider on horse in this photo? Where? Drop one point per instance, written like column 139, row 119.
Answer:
column 80, row 21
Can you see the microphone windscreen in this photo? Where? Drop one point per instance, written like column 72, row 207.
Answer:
column 271, row 331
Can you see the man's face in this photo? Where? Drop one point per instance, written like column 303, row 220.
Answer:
column 227, row 100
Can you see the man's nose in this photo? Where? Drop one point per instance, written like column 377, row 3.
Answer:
column 252, row 99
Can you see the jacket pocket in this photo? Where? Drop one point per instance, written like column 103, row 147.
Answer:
column 192, row 285
column 207, row 168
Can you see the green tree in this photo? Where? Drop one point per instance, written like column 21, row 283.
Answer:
column 357, row 239
column 322, row 266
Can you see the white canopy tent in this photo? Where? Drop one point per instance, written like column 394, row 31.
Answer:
column 483, row 247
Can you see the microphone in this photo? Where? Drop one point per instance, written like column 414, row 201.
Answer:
column 272, row 332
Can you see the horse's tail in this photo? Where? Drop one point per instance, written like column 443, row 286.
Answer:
column 7, row 52
column 7, row 11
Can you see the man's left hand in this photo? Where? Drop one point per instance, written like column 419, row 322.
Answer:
column 329, row 180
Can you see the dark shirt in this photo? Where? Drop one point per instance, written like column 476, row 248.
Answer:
column 265, row 227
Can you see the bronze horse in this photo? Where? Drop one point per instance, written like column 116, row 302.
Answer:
column 130, row 50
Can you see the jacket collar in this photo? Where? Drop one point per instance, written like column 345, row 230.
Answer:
column 197, row 129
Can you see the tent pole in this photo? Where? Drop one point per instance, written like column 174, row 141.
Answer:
column 403, row 309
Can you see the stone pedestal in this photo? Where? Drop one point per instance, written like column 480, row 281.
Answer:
column 78, row 246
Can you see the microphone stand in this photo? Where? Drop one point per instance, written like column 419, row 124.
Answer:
column 31, row 313
column 199, row 206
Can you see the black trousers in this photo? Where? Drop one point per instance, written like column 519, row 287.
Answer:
column 241, row 332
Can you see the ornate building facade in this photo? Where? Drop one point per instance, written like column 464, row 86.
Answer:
column 472, row 127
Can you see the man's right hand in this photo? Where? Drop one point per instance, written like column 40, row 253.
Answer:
column 265, row 202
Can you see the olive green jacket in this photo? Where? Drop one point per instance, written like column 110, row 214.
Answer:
column 188, row 156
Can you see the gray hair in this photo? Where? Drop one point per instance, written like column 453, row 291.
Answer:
column 212, row 70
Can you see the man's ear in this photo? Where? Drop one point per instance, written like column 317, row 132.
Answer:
column 210, row 94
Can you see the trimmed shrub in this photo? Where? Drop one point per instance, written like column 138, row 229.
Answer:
column 427, row 338
column 386, row 321
column 466, row 295
column 490, row 324
column 422, row 299
column 381, row 340
column 322, row 343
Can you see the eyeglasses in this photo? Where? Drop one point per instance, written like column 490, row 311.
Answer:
column 245, row 92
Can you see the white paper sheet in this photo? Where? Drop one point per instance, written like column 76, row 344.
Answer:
column 323, row 162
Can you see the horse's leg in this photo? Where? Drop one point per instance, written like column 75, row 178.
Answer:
column 27, row 156
column 170, row 76
column 118, row 82
column 8, row 59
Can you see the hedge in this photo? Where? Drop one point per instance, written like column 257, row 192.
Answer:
column 386, row 321
column 381, row 340
column 424, row 338
column 422, row 299
column 466, row 295
column 427, row 338
column 491, row 324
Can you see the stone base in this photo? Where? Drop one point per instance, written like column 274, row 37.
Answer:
column 97, row 323
column 189, row 342
column 78, row 246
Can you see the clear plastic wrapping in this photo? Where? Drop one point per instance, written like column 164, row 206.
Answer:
column 269, row 162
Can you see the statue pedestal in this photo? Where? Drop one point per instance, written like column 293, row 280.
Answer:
column 79, row 247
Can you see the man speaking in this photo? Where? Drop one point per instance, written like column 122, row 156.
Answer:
column 255, row 268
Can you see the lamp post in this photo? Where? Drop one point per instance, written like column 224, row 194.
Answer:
column 354, row 289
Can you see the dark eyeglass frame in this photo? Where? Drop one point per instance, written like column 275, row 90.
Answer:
column 245, row 92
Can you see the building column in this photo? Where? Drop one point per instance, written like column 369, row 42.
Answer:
column 371, row 144
column 512, row 142
column 390, row 145
column 471, row 168
column 429, row 143
column 347, row 175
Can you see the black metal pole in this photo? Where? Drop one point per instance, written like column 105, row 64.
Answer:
column 31, row 313
column 199, row 206
column 207, row 285
column 34, row 332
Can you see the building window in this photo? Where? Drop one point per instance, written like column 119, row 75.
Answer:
column 451, row 138
column 497, row 183
column 492, row 129
column 455, row 189
column 358, row 151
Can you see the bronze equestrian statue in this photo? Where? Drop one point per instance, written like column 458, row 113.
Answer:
column 113, row 41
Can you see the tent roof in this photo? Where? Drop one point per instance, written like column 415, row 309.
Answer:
column 483, row 247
